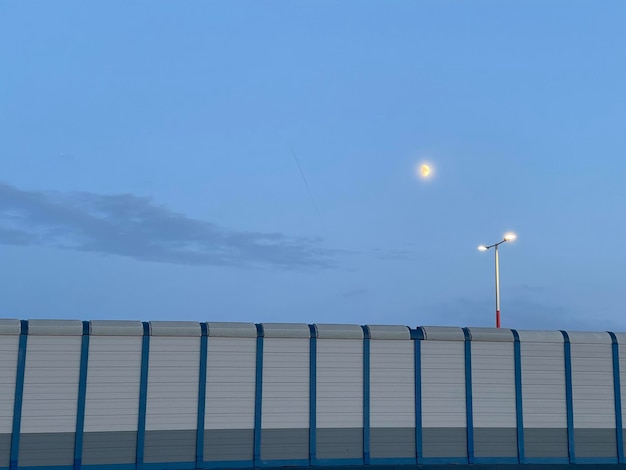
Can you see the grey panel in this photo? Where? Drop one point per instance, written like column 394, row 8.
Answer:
column 175, row 328
column 109, row 447
column 339, row 443
column 443, row 333
column 228, row 444
column 538, row 336
column 5, row 449
column 444, row 442
column 55, row 327
column 389, row 332
column 115, row 328
column 286, row 330
column 232, row 330
column 46, row 448
column 170, row 446
column 545, row 442
column 284, row 444
column 333, row 331
column 595, row 442
column 589, row 337
column 491, row 334
column 9, row 326
column 392, row 442
column 495, row 442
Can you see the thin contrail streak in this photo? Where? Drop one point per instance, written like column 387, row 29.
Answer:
column 306, row 183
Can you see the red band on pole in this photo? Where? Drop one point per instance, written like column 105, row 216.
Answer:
column 497, row 318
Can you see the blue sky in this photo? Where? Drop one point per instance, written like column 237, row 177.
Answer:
column 147, row 166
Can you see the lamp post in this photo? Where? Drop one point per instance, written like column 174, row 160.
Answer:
column 508, row 237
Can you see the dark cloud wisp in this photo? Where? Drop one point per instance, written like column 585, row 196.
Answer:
column 137, row 227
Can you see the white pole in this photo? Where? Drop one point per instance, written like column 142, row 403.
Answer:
column 497, row 290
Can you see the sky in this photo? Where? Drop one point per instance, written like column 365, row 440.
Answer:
column 256, row 161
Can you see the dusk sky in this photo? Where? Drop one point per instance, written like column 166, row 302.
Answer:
column 257, row 161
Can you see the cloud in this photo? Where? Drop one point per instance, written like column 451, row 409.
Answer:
column 394, row 255
column 355, row 293
column 138, row 228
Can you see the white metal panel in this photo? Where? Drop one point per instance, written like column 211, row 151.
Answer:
column 592, row 385
column 113, row 379
column 392, row 383
column 339, row 383
column 230, row 389
column 543, row 384
column 8, row 371
column 285, row 392
column 173, row 372
column 443, row 384
column 493, row 385
column 51, row 384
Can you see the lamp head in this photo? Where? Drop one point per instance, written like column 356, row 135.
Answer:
column 482, row 248
column 509, row 236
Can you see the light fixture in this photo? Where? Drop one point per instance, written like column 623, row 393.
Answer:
column 509, row 236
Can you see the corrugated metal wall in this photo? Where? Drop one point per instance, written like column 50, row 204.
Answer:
column 543, row 395
column 183, row 395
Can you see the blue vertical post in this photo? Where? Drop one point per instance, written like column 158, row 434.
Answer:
column 569, row 401
column 519, row 410
column 258, row 399
column 201, row 395
column 366, row 395
column 82, row 397
column 618, row 398
column 19, row 395
column 468, row 396
column 312, row 395
column 143, row 394
column 417, row 336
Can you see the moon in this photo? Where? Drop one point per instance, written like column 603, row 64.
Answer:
column 425, row 171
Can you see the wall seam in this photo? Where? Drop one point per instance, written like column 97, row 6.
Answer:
column 143, row 395
column 366, row 395
column 201, row 395
column 617, row 390
column 417, row 336
column 519, row 405
column 468, row 396
column 312, row 395
column 19, row 396
column 82, row 396
column 258, row 396
column 567, row 351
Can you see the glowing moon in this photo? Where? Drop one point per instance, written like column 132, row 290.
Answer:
column 425, row 171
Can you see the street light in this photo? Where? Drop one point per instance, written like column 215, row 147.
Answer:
column 508, row 237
